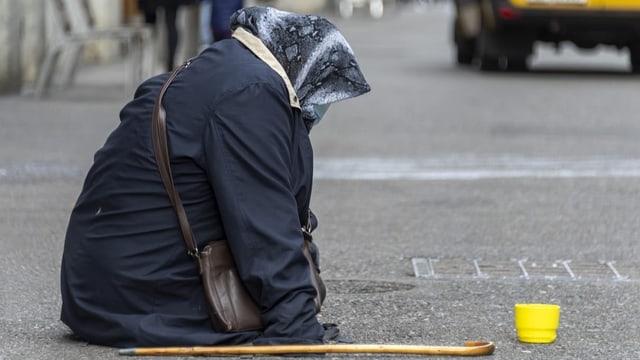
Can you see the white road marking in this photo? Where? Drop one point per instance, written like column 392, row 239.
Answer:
column 473, row 168
column 38, row 171
column 443, row 168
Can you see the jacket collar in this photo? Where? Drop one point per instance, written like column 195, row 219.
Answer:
column 256, row 46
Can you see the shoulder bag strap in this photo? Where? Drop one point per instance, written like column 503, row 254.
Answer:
column 161, row 150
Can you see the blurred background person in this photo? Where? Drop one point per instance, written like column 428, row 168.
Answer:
column 214, row 20
column 221, row 11
column 170, row 9
column 204, row 13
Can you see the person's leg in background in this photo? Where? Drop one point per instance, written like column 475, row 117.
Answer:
column 206, row 37
column 170, row 15
column 148, row 8
column 221, row 11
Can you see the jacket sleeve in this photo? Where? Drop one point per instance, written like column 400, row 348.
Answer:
column 248, row 154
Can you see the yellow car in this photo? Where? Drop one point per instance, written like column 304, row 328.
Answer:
column 500, row 33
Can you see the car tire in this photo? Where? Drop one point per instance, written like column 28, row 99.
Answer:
column 489, row 63
column 517, row 64
column 634, row 57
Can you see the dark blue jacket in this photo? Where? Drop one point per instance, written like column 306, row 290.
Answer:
column 242, row 162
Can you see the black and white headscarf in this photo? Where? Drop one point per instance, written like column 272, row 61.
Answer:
column 314, row 54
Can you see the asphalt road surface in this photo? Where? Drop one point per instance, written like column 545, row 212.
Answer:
column 445, row 196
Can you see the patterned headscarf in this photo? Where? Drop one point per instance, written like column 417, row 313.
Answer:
column 314, row 54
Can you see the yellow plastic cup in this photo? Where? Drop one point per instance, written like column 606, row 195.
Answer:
column 537, row 323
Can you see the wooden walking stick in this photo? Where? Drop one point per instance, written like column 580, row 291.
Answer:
column 470, row 348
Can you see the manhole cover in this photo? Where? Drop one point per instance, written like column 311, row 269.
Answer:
column 364, row 286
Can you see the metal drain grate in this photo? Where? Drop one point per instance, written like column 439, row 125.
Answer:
column 436, row 267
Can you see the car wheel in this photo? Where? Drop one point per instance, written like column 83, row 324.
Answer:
column 489, row 63
column 634, row 57
column 517, row 64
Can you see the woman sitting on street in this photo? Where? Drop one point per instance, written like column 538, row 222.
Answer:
column 238, row 122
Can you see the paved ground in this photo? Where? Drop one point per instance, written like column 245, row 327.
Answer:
column 497, row 189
